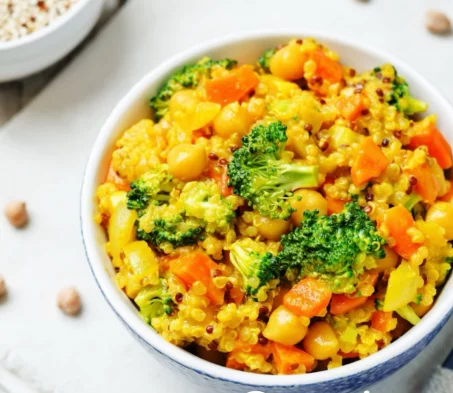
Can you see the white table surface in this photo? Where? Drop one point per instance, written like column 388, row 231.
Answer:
column 44, row 149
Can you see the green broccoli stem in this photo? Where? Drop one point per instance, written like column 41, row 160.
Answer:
column 412, row 201
column 238, row 256
column 408, row 314
column 292, row 177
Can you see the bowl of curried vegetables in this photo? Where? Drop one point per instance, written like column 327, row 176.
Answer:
column 272, row 211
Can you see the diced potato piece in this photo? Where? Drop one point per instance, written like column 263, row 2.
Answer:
column 283, row 109
column 342, row 136
column 115, row 199
column 121, row 228
column 402, row 287
column 142, row 261
column 310, row 111
column 275, row 85
column 199, row 117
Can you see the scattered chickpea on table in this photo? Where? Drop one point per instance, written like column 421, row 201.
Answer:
column 438, row 22
column 2, row 286
column 16, row 213
column 68, row 301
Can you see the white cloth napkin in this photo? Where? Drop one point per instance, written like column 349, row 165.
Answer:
column 42, row 156
column 440, row 382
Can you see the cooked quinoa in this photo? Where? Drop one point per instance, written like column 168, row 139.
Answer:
column 19, row 18
column 281, row 217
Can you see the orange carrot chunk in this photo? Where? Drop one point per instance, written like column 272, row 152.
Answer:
column 351, row 107
column 237, row 295
column 427, row 184
column 335, row 205
column 370, row 277
column 341, row 304
column 437, row 145
column 233, row 86
column 326, row 68
column 198, row 267
column 232, row 363
column 370, row 162
column 381, row 320
column 289, row 358
column 307, row 298
column 398, row 221
column 220, row 175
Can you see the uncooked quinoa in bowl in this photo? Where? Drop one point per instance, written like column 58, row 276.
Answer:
column 35, row 34
column 22, row 17
column 287, row 214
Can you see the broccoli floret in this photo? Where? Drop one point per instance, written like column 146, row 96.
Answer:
column 189, row 77
column 402, row 100
column 332, row 248
column 264, row 60
column 258, row 174
column 155, row 185
column 199, row 209
column 204, row 200
column 256, row 265
column 167, row 227
column 154, row 301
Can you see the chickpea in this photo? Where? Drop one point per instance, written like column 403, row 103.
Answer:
column 441, row 213
column 272, row 229
column 187, row 162
column 16, row 213
column 2, row 286
column 438, row 22
column 321, row 342
column 288, row 62
column 68, row 301
column 183, row 100
column 307, row 200
column 389, row 261
column 284, row 327
column 233, row 118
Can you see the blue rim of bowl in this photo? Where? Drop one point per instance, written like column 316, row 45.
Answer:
column 350, row 370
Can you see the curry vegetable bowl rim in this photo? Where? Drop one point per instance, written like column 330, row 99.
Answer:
column 429, row 324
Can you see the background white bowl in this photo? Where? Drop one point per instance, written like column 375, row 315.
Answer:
column 349, row 378
column 36, row 51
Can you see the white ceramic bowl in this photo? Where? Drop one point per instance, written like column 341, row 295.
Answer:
column 36, row 51
column 134, row 106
